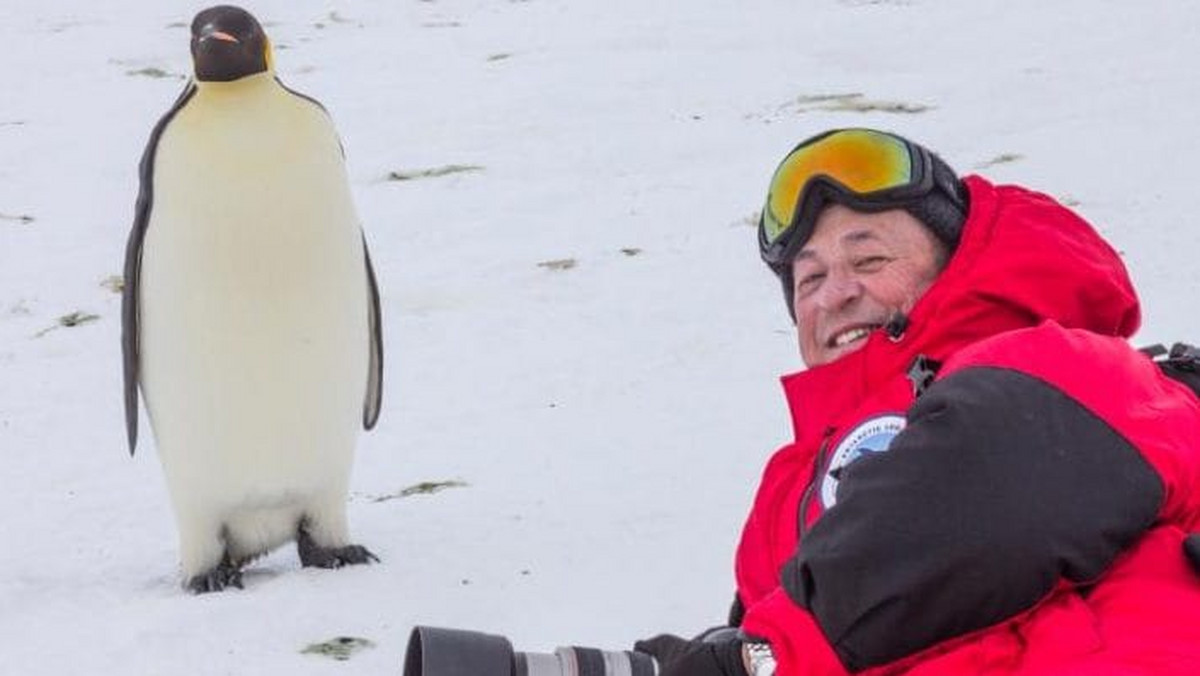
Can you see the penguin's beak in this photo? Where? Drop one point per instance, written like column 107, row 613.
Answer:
column 212, row 33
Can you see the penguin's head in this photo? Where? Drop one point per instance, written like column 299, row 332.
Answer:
column 228, row 44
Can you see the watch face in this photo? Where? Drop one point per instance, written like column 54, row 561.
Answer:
column 762, row 660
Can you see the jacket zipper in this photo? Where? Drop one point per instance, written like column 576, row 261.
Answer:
column 818, row 464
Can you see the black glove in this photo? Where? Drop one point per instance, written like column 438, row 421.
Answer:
column 680, row 657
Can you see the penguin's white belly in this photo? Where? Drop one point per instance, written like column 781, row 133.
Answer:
column 254, row 320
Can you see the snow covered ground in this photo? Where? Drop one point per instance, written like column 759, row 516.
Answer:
column 608, row 418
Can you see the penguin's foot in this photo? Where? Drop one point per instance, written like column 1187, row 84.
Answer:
column 224, row 574
column 313, row 555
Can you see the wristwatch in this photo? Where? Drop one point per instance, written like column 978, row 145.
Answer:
column 762, row 660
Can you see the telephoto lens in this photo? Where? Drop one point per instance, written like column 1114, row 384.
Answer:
column 434, row 651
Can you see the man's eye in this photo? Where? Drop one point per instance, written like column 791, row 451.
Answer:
column 806, row 283
column 870, row 263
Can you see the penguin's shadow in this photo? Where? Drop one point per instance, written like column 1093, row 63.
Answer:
column 254, row 576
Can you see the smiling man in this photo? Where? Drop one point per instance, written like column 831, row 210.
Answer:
column 857, row 272
column 985, row 476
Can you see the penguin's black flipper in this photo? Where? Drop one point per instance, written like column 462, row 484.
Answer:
column 130, row 338
column 374, row 399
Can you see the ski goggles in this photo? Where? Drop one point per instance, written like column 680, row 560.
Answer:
column 863, row 169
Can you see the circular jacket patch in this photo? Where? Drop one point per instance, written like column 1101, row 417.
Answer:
column 873, row 435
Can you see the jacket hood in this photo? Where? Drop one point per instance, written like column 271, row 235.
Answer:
column 1023, row 259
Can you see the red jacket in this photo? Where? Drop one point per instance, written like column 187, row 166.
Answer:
column 1024, row 513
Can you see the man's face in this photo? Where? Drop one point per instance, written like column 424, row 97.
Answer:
column 854, row 273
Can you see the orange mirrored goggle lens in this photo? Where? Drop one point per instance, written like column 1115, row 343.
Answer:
column 860, row 160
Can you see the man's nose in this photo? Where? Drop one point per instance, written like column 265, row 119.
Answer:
column 839, row 290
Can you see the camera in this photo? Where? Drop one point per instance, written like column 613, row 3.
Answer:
column 433, row 651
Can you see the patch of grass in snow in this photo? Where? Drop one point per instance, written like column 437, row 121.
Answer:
column 434, row 172
column 114, row 283
column 154, row 72
column 850, row 102
column 1003, row 158
column 71, row 320
column 335, row 18
column 856, row 103
column 340, row 648
column 750, row 221
column 559, row 264
column 422, row 488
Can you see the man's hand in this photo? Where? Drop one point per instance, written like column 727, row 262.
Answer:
column 680, row 657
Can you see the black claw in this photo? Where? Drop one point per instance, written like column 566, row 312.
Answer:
column 225, row 574
column 356, row 554
column 314, row 556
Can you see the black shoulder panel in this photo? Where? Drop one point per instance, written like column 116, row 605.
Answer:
column 130, row 297
column 1000, row 486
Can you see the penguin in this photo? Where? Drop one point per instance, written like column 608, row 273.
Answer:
column 250, row 313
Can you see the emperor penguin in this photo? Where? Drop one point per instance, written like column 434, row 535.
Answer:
column 250, row 313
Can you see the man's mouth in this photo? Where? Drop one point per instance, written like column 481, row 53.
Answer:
column 843, row 338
